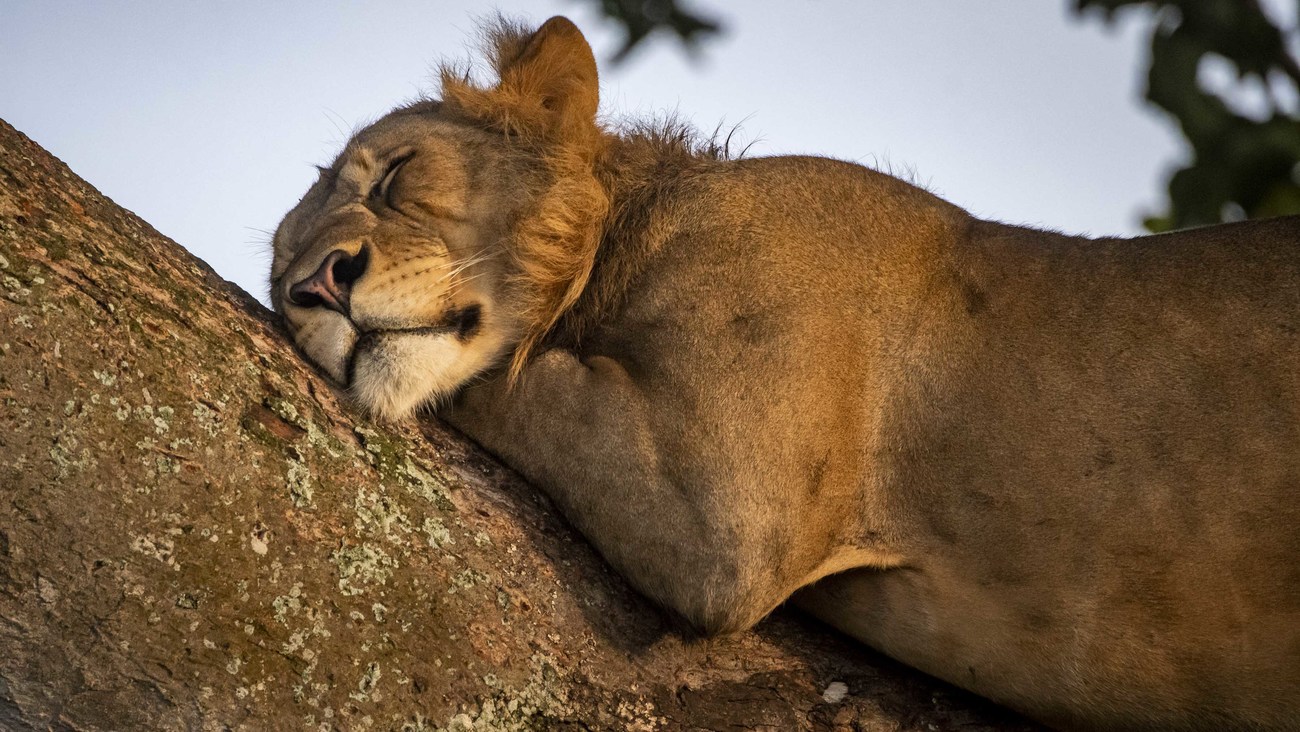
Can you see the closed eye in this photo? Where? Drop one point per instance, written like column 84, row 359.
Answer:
column 381, row 188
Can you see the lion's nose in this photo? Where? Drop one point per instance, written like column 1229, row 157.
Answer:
column 331, row 285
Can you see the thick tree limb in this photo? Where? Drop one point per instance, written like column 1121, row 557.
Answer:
column 196, row 533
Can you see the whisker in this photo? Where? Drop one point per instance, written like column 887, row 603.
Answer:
column 462, row 266
column 456, row 287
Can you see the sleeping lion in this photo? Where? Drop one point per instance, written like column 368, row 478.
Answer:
column 1062, row 473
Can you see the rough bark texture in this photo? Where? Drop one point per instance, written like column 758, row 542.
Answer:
column 197, row 532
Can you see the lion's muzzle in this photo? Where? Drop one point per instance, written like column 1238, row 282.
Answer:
column 331, row 285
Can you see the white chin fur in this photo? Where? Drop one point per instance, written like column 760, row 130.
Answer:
column 328, row 342
column 402, row 371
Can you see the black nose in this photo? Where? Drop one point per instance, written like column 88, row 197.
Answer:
column 331, row 285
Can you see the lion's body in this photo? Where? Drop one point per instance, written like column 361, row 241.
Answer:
column 1062, row 473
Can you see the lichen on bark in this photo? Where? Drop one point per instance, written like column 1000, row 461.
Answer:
column 197, row 532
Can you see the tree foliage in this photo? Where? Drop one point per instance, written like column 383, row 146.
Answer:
column 1241, row 165
column 640, row 18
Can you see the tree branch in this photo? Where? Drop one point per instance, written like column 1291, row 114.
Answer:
column 197, row 533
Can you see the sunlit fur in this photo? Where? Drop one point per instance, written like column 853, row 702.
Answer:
column 1059, row 472
column 503, row 207
column 544, row 101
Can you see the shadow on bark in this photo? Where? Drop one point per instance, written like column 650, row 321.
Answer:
column 196, row 532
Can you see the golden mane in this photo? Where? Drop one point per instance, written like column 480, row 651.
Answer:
column 544, row 98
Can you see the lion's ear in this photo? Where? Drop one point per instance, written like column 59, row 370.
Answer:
column 555, row 69
column 547, row 87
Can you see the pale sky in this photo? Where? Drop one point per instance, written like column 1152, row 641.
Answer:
column 205, row 118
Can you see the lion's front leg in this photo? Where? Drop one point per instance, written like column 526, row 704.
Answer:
column 580, row 431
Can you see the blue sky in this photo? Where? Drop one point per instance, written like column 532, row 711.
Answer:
column 205, row 118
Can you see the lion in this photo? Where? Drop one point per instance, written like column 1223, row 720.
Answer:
column 1062, row 473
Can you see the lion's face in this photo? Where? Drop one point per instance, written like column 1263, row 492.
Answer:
column 391, row 272
column 450, row 235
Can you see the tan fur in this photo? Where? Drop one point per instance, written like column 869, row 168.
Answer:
column 544, row 100
column 1062, row 473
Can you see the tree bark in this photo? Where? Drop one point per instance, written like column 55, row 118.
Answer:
column 198, row 532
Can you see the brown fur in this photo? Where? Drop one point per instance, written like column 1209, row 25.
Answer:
column 1062, row 473
column 544, row 99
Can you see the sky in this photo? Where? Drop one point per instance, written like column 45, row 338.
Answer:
column 205, row 118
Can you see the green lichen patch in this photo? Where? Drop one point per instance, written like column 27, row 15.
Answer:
column 391, row 457
column 362, row 566
column 162, row 420
column 206, row 418
column 288, row 605
column 70, row 455
column 299, row 481
column 107, row 378
column 156, row 546
column 538, row 705
column 380, row 514
column 425, row 484
column 287, row 411
column 367, row 683
column 436, row 532
column 384, row 451
column 14, row 290
column 467, row 579
column 325, row 442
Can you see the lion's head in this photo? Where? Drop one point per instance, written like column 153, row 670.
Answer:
column 450, row 235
